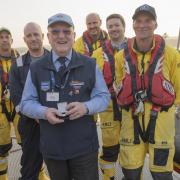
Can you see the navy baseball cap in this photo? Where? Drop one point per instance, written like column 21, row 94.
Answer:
column 145, row 8
column 60, row 18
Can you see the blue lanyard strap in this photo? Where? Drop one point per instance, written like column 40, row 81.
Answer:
column 66, row 79
column 53, row 81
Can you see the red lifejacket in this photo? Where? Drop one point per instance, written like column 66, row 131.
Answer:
column 109, row 63
column 158, row 89
column 109, row 75
column 89, row 41
column 4, row 80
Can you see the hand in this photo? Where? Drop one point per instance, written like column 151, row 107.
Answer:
column 51, row 115
column 37, row 120
column 76, row 110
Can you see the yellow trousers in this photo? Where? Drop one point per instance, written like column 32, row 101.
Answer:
column 160, row 154
column 6, row 142
column 110, row 144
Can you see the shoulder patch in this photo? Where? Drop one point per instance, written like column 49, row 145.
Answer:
column 19, row 61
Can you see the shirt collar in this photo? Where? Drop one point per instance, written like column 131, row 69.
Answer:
column 135, row 47
column 119, row 46
column 55, row 56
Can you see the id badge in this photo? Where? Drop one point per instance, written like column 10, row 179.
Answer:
column 62, row 108
column 19, row 62
column 52, row 96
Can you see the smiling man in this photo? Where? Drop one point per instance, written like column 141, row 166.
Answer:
column 149, row 79
column 63, row 91
column 28, row 128
column 93, row 37
column 110, row 119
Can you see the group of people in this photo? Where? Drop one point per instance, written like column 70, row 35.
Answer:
column 54, row 99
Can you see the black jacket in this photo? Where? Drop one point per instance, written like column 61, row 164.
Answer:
column 18, row 75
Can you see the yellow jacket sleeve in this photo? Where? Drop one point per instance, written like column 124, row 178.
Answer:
column 79, row 46
column 119, row 67
column 98, row 55
column 173, row 64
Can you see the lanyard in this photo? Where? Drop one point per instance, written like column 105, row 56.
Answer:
column 55, row 85
column 53, row 81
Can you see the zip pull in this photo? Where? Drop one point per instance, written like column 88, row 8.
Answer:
column 139, row 108
column 6, row 93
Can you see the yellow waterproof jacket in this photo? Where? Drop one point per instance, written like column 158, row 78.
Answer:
column 82, row 47
column 165, row 120
column 5, row 65
column 100, row 57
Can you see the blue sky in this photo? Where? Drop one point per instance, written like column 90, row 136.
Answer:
column 14, row 14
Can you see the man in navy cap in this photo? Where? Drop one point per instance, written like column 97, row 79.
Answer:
column 145, row 9
column 63, row 91
column 149, row 72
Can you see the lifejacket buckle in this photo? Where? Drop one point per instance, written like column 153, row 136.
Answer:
column 139, row 107
column 140, row 95
column 6, row 93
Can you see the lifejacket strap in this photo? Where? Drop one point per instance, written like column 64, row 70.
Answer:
column 117, row 113
column 9, row 115
column 136, row 129
column 152, row 125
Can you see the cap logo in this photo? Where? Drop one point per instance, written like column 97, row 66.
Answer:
column 145, row 7
column 61, row 16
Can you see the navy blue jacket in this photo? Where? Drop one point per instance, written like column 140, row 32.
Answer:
column 71, row 138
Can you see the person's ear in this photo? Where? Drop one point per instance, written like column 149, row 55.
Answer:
column 156, row 25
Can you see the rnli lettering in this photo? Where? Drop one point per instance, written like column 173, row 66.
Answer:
column 127, row 140
column 106, row 124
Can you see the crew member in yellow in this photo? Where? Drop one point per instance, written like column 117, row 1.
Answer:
column 7, row 111
column 177, row 142
column 93, row 37
column 110, row 119
column 149, row 86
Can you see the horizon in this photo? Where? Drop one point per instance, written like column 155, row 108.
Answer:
column 171, row 40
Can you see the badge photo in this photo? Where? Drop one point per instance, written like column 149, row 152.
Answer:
column 52, row 96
